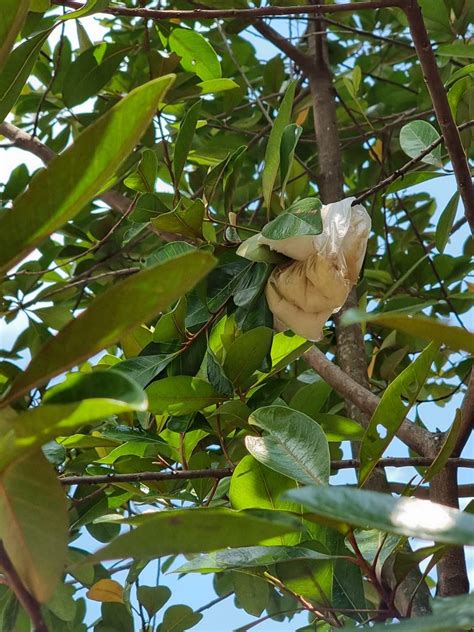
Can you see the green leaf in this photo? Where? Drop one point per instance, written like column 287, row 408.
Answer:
column 394, row 405
column 181, row 395
column 109, row 384
column 84, row 398
column 153, row 598
column 301, row 218
column 195, row 531
column 459, row 74
column 143, row 178
column 247, row 354
column 73, row 178
column 445, row 223
column 310, row 398
column 197, row 55
column 457, row 49
column 416, row 137
column 446, row 450
column 213, row 86
column 16, row 71
column 455, row 338
column 186, row 219
column 217, row 376
column 109, row 316
column 91, row 71
column 410, row 517
column 144, row 368
column 252, row 286
column 184, row 140
column 272, row 153
column 90, row 7
column 171, row 326
column 12, row 17
column 293, row 445
column 179, row 618
column 253, row 485
column 34, row 523
column 251, row 593
column 252, row 250
column 289, row 140
column 249, row 557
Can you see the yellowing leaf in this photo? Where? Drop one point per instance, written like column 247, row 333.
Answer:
column 376, row 151
column 106, row 590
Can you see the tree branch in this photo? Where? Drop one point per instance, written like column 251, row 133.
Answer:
column 189, row 475
column 399, row 173
column 301, row 59
column 250, row 14
column 441, row 107
column 415, row 437
column 29, row 603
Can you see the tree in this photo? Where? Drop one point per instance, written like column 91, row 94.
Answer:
column 149, row 402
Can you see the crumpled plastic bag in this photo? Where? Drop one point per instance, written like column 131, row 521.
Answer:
column 303, row 294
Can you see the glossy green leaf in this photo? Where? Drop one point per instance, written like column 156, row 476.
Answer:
column 91, row 71
column 181, row 395
column 179, row 618
column 171, row 326
column 186, row 219
column 73, row 178
column 458, row 49
column 394, row 405
column 197, row 55
column 293, row 444
column 87, row 398
column 184, row 140
column 289, row 141
column 217, row 376
column 195, row 531
column 12, row 17
column 143, row 178
column 310, row 398
column 252, row 250
column 272, row 153
column 416, row 137
column 301, row 218
column 34, row 523
column 459, row 74
column 249, row 557
column 247, row 354
column 143, row 369
column 253, row 485
column 16, row 71
column 213, row 86
column 109, row 316
column 445, row 223
column 338, row 428
column 410, row 517
column 153, row 598
column 447, row 449
column 252, row 593
column 455, row 338
column 452, row 613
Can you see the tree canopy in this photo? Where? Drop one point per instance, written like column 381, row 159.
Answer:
column 151, row 408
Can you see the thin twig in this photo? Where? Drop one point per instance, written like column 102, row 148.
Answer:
column 188, row 475
column 250, row 14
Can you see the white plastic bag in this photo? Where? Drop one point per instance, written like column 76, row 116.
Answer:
column 302, row 295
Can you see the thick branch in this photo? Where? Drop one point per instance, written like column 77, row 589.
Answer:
column 301, row 59
column 441, row 108
column 189, row 475
column 250, row 14
column 415, row 437
column 29, row 603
